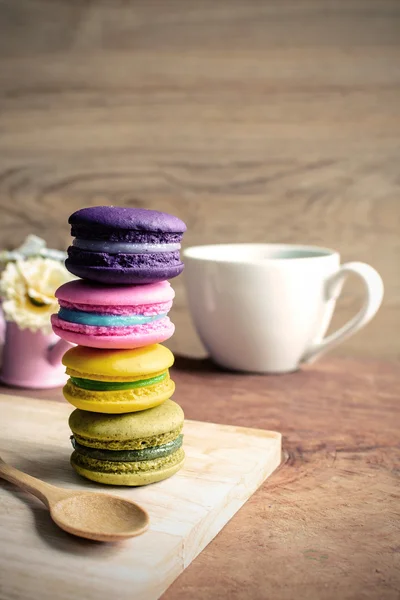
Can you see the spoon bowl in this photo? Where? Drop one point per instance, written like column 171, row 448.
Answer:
column 91, row 515
column 100, row 517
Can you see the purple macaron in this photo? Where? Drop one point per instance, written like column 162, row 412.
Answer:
column 115, row 245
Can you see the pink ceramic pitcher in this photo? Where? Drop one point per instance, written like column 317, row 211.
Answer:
column 32, row 360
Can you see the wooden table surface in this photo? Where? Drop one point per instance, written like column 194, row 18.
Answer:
column 326, row 525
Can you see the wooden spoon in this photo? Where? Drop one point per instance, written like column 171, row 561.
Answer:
column 90, row 515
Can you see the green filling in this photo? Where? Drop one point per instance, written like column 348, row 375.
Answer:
column 106, row 386
column 128, row 455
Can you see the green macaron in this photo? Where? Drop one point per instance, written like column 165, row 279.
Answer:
column 128, row 449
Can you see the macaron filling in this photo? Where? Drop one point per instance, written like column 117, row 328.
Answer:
column 122, row 260
column 105, row 320
column 106, row 386
column 128, row 455
column 123, row 247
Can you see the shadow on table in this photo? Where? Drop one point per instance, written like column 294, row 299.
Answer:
column 192, row 364
column 53, row 536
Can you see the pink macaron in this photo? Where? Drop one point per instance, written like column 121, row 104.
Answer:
column 118, row 317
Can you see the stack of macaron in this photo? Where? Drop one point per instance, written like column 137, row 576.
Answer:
column 126, row 430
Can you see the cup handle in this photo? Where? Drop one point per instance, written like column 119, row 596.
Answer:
column 57, row 351
column 373, row 299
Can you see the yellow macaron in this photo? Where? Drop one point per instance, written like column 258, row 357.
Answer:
column 118, row 381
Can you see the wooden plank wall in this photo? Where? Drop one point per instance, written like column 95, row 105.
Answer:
column 274, row 120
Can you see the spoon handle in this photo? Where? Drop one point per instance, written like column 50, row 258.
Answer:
column 44, row 491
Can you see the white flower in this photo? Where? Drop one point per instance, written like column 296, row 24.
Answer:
column 28, row 287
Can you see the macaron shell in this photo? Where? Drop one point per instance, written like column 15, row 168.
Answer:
column 112, row 431
column 130, row 444
column 121, row 337
column 142, row 466
column 119, row 402
column 114, row 365
column 86, row 292
column 118, row 217
column 128, row 479
column 129, row 276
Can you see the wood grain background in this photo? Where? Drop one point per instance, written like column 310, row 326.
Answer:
column 252, row 120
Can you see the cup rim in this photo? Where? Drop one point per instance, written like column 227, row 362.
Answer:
column 320, row 252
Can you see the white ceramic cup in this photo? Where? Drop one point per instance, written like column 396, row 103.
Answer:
column 266, row 307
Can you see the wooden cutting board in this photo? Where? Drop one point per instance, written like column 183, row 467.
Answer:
column 224, row 466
